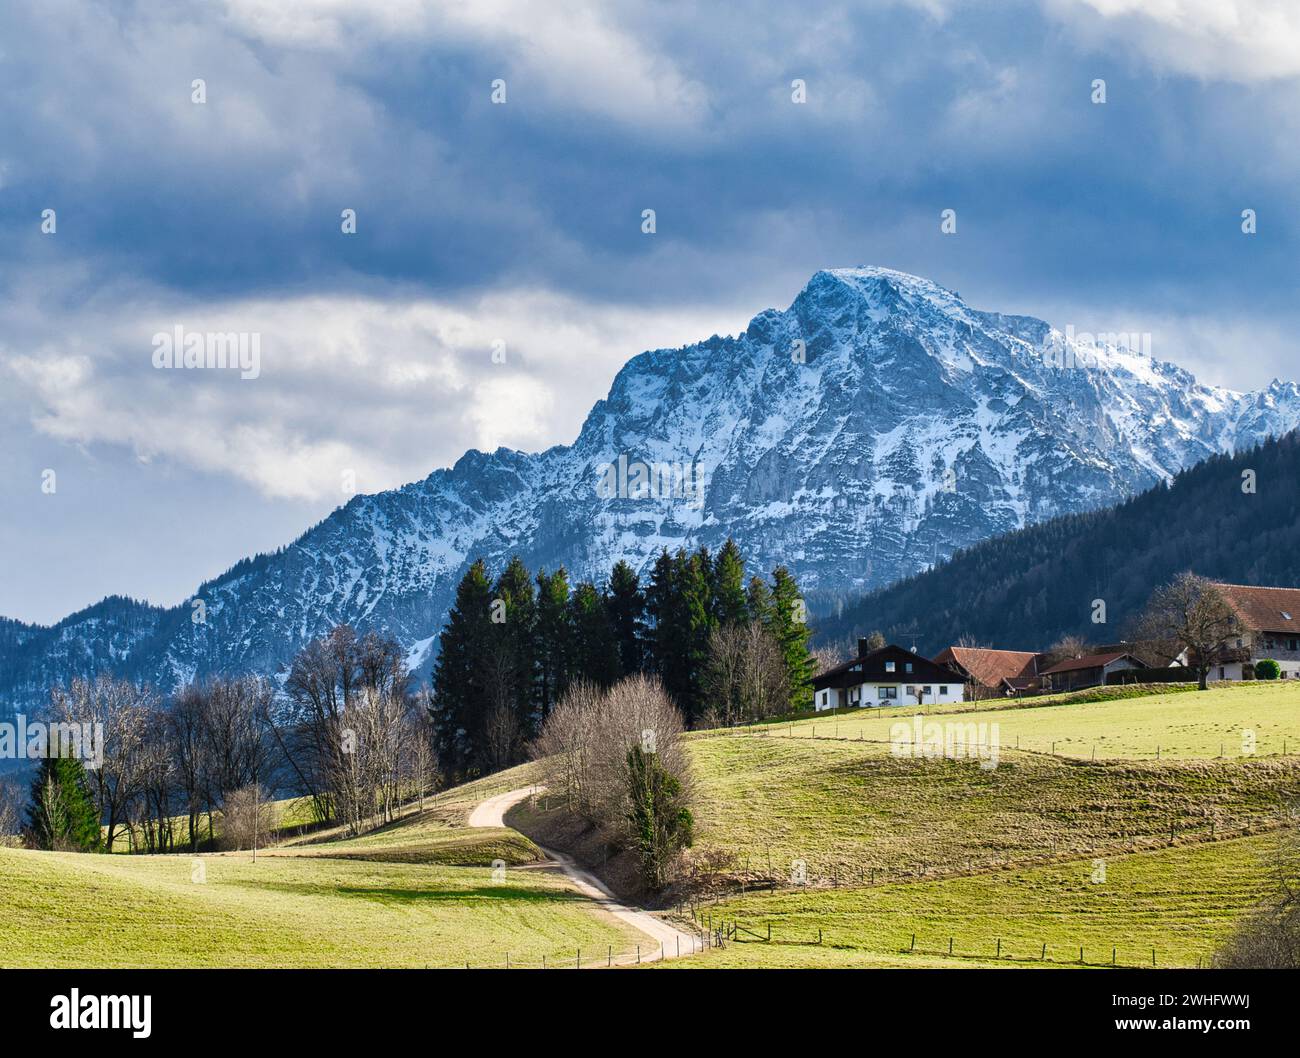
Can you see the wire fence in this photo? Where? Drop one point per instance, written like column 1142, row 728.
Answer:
column 1070, row 749
column 723, row 931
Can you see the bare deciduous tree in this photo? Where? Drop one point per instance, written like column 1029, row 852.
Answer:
column 1191, row 616
column 565, row 744
column 125, row 710
column 745, row 677
column 1065, row 648
column 586, row 748
column 342, row 690
column 419, row 763
column 11, row 802
column 248, row 819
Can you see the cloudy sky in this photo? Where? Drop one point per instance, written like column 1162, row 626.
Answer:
column 482, row 223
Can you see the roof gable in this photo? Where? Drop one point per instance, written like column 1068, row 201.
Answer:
column 873, row 667
column 992, row 667
column 1264, row 609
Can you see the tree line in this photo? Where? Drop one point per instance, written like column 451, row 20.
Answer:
column 345, row 733
column 725, row 647
column 346, row 730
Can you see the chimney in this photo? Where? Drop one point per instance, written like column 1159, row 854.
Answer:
column 862, row 647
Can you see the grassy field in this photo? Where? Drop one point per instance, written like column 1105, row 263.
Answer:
column 1177, row 725
column 1178, row 902
column 391, row 898
column 888, row 846
column 845, row 808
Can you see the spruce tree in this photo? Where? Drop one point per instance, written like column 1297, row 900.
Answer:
column 62, row 815
column 696, row 579
column 789, row 625
column 515, row 624
column 667, row 635
column 460, row 691
column 758, row 600
column 626, row 607
column 554, row 639
column 729, row 602
column 595, row 646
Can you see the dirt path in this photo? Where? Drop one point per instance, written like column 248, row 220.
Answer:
column 667, row 941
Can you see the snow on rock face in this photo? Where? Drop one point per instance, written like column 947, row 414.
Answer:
column 874, row 427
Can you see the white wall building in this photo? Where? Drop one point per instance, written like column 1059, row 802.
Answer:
column 888, row 676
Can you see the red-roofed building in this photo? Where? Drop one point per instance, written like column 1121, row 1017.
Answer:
column 990, row 672
column 1269, row 620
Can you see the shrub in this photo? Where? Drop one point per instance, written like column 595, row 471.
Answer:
column 1268, row 938
column 1267, row 669
column 660, row 823
column 617, row 759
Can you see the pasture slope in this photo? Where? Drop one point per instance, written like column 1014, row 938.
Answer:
column 844, row 851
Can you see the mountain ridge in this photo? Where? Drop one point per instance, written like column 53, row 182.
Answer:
column 1027, row 589
column 871, row 429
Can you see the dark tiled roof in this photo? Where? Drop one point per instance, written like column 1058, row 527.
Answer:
column 1088, row 661
column 870, row 668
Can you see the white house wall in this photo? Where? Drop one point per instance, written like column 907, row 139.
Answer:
column 867, row 695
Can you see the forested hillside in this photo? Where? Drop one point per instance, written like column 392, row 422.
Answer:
column 1231, row 518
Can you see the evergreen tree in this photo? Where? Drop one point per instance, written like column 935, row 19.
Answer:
column 460, row 689
column 661, row 824
column 62, row 814
column 626, row 607
column 790, row 626
column 758, row 600
column 668, row 642
column 696, row 580
column 595, row 646
column 729, row 601
column 515, row 622
column 555, row 643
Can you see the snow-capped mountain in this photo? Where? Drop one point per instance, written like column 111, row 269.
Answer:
column 872, row 428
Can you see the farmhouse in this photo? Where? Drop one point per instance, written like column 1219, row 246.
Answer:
column 1091, row 670
column 1269, row 627
column 888, row 676
column 989, row 672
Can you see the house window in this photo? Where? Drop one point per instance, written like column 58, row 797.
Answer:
column 927, row 690
column 826, row 695
column 1291, row 644
column 907, row 665
column 889, row 666
column 911, row 691
column 943, row 688
column 886, row 692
